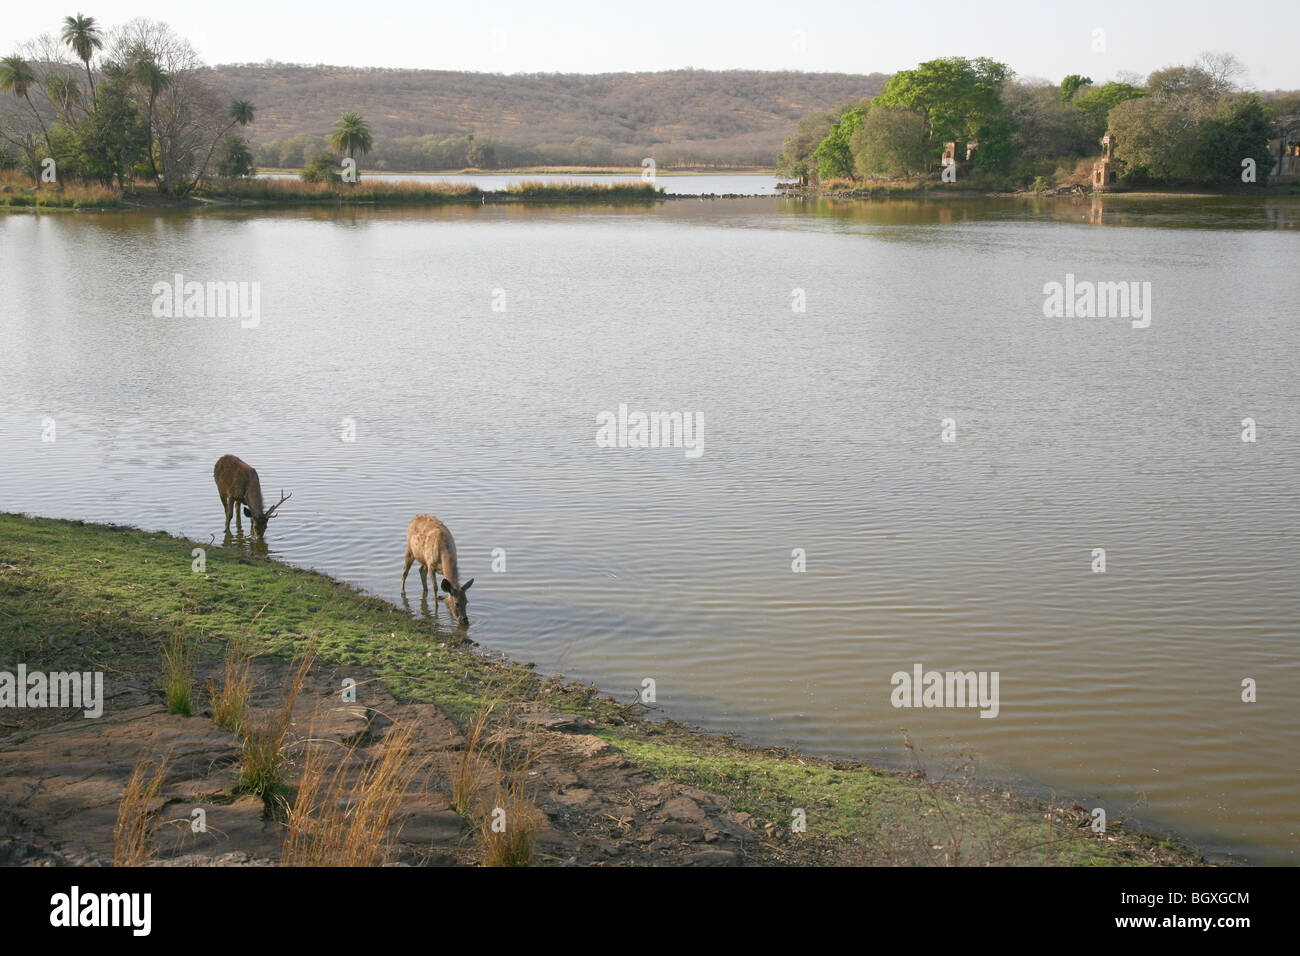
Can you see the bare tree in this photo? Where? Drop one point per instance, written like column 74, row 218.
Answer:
column 1224, row 71
column 184, row 116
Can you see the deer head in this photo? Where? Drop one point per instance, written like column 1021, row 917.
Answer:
column 259, row 521
column 456, row 601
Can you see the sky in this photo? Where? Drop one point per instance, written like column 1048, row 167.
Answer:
column 1045, row 39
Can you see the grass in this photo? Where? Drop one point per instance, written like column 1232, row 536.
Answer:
column 332, row 823
column 373, row 190
column 507, row 818
column 508, row 825
column 178, row 653
column 77, row 596
column 136, row 824
column 229, row 699
column 18, row 191
column 262, row 771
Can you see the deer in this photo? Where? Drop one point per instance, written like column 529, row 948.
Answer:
column 238, row 485
column 429, row 542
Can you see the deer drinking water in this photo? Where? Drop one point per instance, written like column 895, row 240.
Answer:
column 429, row 542
column 238, row 486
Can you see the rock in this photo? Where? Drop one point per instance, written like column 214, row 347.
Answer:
column 684, row 808
column 692, row 832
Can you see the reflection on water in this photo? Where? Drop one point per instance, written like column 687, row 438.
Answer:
column 822, row 435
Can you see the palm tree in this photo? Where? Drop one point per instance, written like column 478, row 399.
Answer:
column 241, row 112
column 82, row 35
column 145, row 71
column 351, row 135
column 18, row 77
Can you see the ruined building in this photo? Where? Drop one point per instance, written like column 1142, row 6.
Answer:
column 1284, row 147
column 1105, row 172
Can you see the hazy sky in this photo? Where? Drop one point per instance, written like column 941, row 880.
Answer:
column 1043, row 38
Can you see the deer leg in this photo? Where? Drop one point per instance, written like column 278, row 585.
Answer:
column 225, row 504
column 424, row 578
column 406, row 568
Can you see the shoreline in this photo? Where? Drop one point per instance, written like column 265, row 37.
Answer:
column 128, row 589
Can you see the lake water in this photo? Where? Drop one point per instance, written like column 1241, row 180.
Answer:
column 474, row 348
column 684, row 184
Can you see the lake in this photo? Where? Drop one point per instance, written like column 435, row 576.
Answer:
column 461, row 360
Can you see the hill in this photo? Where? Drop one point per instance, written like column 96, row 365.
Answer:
column 432, row 119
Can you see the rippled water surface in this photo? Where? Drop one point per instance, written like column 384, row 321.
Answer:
column 822, row 433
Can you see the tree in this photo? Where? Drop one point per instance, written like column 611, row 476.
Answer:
column 1043, row 125
column 890, row 144
column 65, row 94
column 482, row 156
column 833, row 156
column 150, row 79
column 112, row 137
column 320, row 169
column 18, row 77
column 1154, row 138
column 235, row 159
column 1072, row 84
column 1095, row 105
column 795, row 161
column 82, row 35
column 240, row 113
column 351, row 136
column 1240, row 129
column 955, row 95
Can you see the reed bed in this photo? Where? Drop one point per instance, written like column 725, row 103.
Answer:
column 17, row 191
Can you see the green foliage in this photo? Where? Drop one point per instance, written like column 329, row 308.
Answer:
column 321, row 170
column 1282, row 104
column 112, row 138
column 956, row 95
column 890, row 144
column 795, row 161
column 833, row 157
column 351, row 136
column 235, row 158
column 482, row 156
column 996, row 149
column 1071, row 85
column 1239, row 129
column 1095, row 105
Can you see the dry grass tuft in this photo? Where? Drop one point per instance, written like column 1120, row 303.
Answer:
column 332, row 824
column 264, row 753
column 133, row 834
column 507, row 820
column 230, row 698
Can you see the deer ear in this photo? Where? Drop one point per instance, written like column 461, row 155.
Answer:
column 467, row 584
column 446, row 585
column 247, row 513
